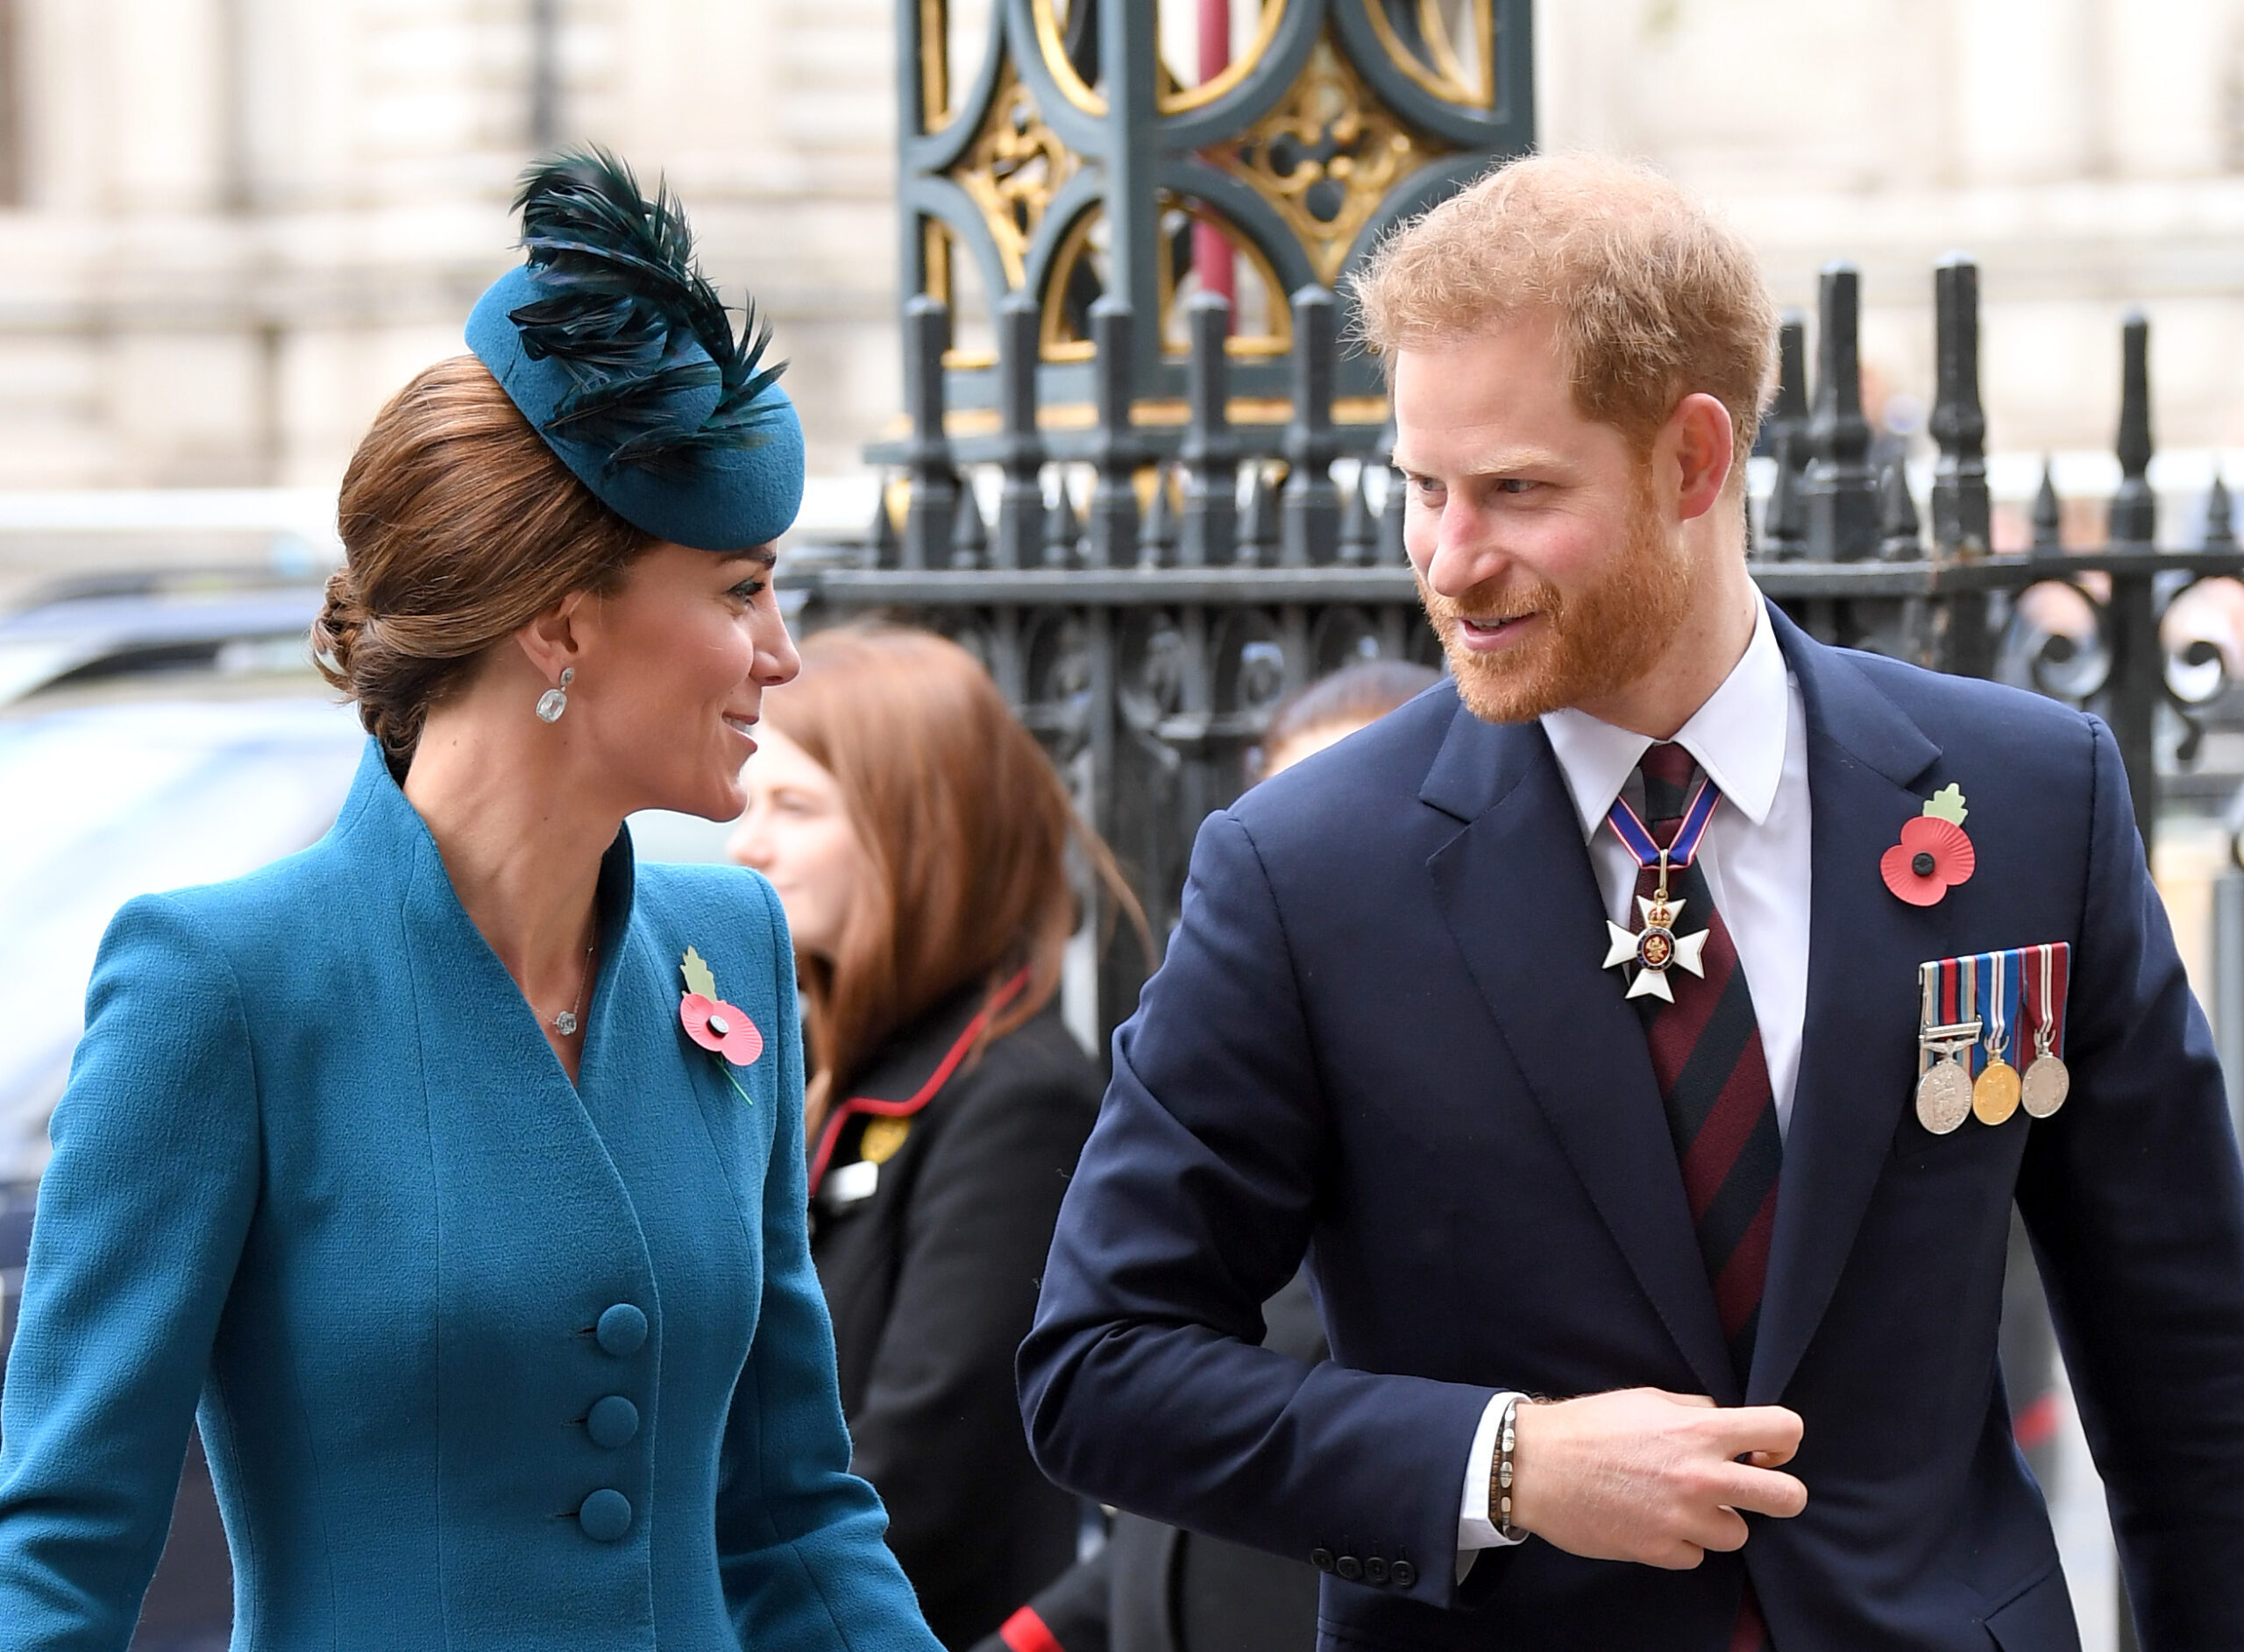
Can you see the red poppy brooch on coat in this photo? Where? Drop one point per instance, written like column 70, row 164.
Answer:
column 1933, row 854
column 723, row 1029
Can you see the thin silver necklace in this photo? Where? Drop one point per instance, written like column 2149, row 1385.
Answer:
column 565, row 1024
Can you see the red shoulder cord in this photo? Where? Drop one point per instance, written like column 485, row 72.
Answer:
column 873, row 1104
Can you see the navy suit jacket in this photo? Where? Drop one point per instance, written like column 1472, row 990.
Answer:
column 1382, row 1037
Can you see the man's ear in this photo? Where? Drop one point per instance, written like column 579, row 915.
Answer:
column 1700, row 443
column 554, row 640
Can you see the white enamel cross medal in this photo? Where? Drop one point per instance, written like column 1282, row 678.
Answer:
column 1656, row 949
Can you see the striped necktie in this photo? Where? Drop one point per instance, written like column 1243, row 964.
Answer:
column 1706, row 1052
column 1714, row 1083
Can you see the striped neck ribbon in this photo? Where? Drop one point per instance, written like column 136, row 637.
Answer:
column 1678, row 854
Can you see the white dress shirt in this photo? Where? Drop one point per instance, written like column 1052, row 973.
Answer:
column 1750, row 738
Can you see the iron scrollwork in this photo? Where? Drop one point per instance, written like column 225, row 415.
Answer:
column 1077, row 164
column 1159, row 576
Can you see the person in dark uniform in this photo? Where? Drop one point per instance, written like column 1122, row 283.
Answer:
column 918, row 840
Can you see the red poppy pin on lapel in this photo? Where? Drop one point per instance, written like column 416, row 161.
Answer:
column 723, row 1029
column 1933, row 854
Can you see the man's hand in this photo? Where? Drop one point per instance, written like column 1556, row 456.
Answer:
column 1649, row 1475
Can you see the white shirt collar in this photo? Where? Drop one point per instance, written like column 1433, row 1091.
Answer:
column 1738, row 737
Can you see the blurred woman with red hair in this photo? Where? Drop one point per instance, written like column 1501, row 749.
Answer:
column 918, row 840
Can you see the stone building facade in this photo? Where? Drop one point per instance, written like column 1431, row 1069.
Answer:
column 2090, row 154
column 232, row 226
column 236, row 226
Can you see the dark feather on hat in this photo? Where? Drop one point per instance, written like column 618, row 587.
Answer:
column 623, row 304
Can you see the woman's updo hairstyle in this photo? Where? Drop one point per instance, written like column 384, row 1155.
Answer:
column 459, row 526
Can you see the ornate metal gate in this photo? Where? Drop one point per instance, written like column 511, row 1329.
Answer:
column 1189, row 508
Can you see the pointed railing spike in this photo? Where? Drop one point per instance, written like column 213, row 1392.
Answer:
column 887, row 544
column 969, row 538
column 1962, row 513
column 1258, row 527
column 1392, row 551
column 2048, row 513
column 1021, row 504
column 1115, row 448
column 1312, row 505
column 2220, row 517
column 1157, row 529
column 1210, row 530
column 1784, row 520
column 1063, row 534
column 1841, row 489
column 2134, row 509
column 1900, row 530
column 1790, row 408
column 934, row 483
column 1359, row 527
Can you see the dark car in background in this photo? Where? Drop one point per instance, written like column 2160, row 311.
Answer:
column 156, row 729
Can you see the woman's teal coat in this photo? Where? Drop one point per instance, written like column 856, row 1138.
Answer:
column 484, row 1360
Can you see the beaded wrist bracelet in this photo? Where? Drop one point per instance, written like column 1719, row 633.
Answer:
column 1499, row 1472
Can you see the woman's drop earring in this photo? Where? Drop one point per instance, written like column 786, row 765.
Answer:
column 555, row 701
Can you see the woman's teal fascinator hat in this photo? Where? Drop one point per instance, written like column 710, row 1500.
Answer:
column 619, row 352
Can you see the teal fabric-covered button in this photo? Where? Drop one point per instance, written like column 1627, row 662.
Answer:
column 613, row 1421
column 606, row 1516
column 622, row 1330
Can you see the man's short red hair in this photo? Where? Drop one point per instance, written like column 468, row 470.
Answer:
column 1653, row 298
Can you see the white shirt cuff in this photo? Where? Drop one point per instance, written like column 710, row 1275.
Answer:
column 1475, row 1529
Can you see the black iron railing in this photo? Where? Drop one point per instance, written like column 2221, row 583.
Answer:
column 1148, row 592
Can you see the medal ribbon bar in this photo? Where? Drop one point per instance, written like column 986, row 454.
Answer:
column 1966, row 994
column 2044, row 972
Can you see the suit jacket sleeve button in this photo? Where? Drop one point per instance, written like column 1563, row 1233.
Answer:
column 1375, row 1569
column 1320, row 1558
column 1403, row 1573
column 1348, row 1567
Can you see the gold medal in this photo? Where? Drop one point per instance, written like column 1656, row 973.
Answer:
column 1944, row 1095
column 1994, row 1098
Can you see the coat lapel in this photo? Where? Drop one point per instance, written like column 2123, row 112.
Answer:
column 1863, row 758
column 1515, row 889
column 502, row 1117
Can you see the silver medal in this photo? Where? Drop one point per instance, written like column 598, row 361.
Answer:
column 1944, row 1085
column 1944, row 1095
column 2046, row 1087
column 2047, row 1082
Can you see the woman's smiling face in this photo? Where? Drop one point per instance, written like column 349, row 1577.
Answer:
column 671, row 677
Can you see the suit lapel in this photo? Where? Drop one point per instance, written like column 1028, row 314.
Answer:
column 1864, row 757
column 1515, row 889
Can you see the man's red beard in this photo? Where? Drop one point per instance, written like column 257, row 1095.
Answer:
column 1592, row 644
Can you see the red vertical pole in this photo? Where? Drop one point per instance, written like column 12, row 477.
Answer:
column 1212, row 254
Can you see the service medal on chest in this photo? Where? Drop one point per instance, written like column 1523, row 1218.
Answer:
column 1944, row 1093
column 2047, row 1082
